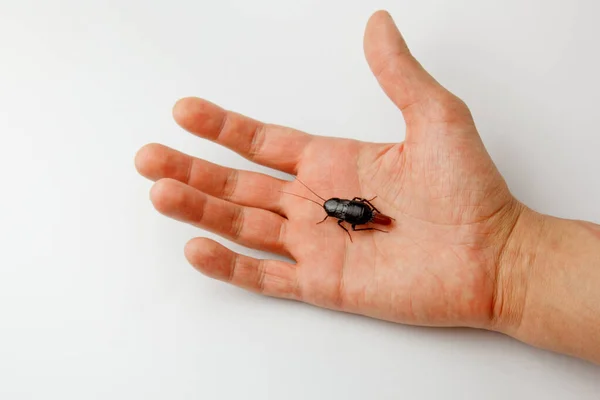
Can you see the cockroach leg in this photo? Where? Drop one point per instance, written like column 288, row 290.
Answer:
column 367, row 229
column 342, row 226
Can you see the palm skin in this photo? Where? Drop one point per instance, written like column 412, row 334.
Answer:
column 439, row 262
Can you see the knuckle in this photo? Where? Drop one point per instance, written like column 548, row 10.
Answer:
column 390, row 65
column 446, row 107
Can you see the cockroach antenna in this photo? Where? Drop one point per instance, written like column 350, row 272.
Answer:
column 312, row 191
column 302, row 197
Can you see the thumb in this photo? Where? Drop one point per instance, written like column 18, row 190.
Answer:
column 403, row 79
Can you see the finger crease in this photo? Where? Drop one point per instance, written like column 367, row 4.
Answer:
column 281, row 235
column 258, row 139
column 233, row 267
column 230, row 184
column 296, row 287
column 222, row 127
column 262, row 271
column 340, row 288
column 188, row 174
column 237, row 223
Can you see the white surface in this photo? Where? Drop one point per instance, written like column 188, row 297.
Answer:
column 96, row 298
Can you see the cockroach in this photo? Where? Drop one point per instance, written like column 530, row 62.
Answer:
column 358, row 211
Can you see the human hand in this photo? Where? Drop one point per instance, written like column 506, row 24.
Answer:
column 441, row 262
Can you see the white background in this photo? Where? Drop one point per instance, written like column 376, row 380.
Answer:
column 96, row 297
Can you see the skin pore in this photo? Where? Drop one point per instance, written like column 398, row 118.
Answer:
column 462, row 250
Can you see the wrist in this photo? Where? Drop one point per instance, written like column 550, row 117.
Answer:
column 516, row 262
column 547, row 283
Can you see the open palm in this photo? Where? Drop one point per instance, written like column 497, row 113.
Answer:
column 438, row 264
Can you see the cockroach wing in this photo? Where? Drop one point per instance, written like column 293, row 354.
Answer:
column 381, row 219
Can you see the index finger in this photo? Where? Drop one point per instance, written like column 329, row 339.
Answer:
column 270, row 145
